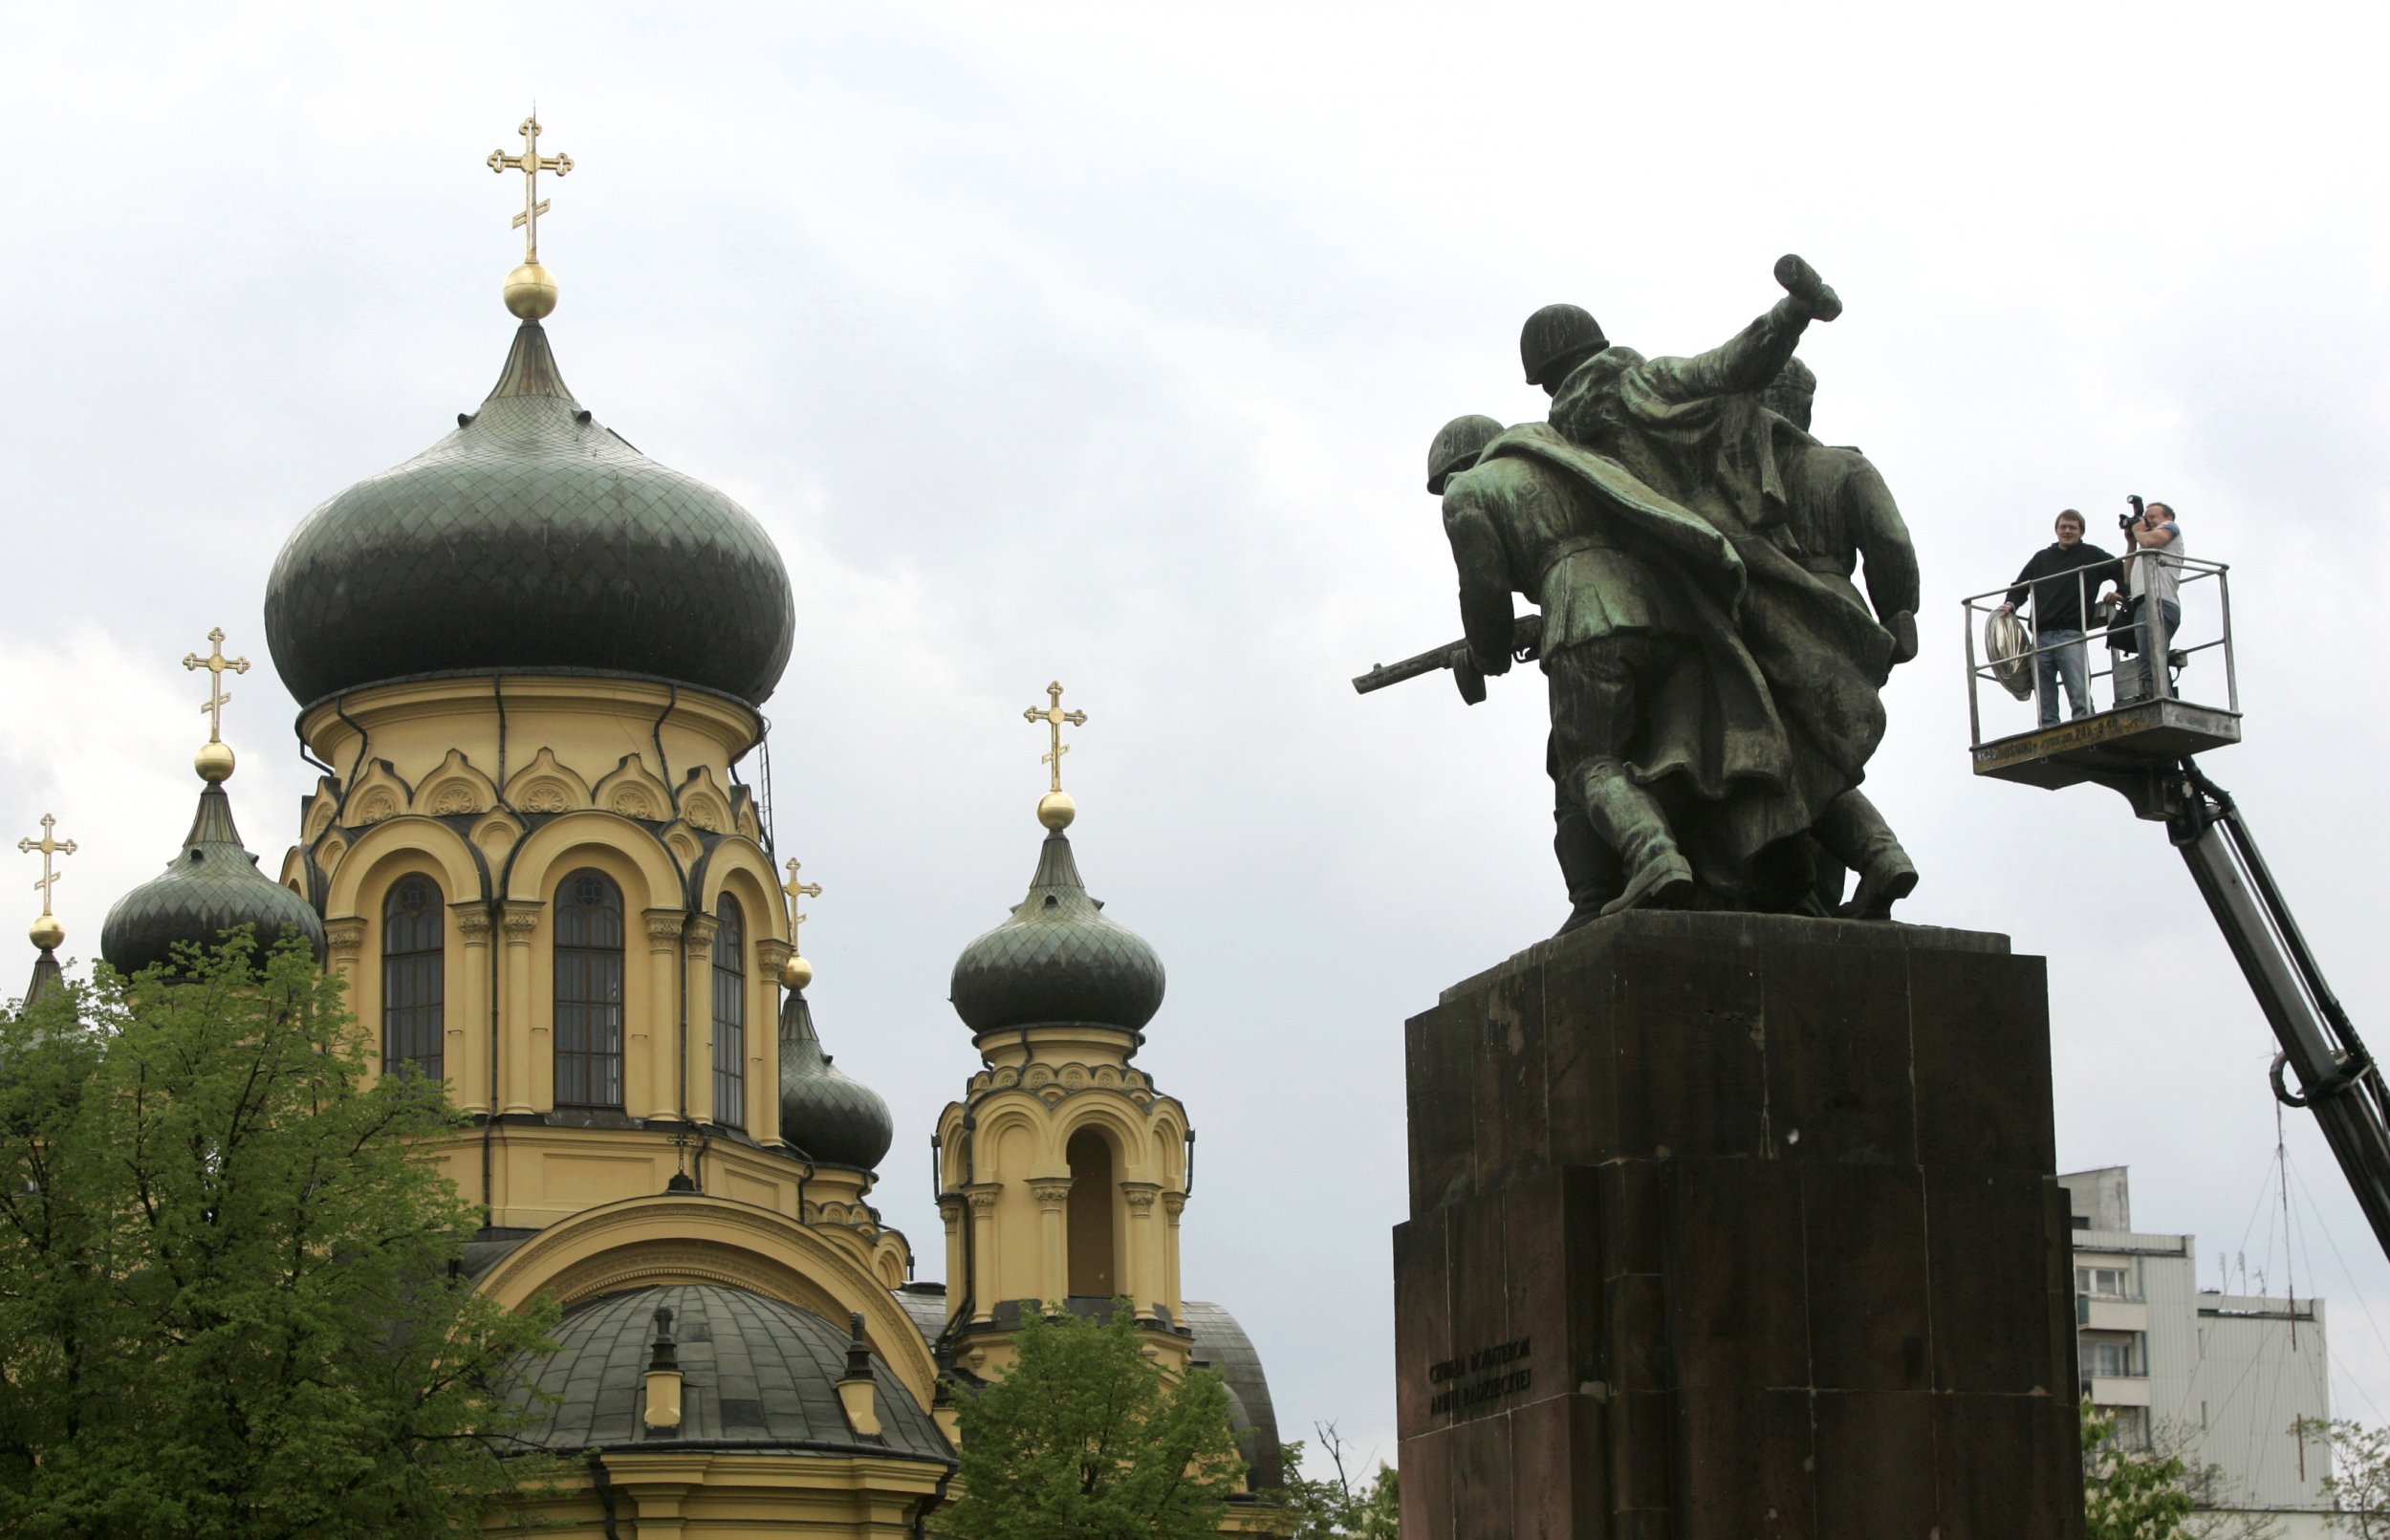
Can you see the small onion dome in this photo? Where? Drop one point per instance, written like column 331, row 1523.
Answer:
column 48, row 978
column 212, row 887
column 1058, row 958
column 532, row 538
column 834, row 1117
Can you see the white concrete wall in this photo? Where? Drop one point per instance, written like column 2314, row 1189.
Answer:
column 2259, row 1373
column 2104, row 1196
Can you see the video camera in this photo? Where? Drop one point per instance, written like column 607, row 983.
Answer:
column 2126, row 521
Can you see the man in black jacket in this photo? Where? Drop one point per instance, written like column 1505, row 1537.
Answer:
column 2060, row 580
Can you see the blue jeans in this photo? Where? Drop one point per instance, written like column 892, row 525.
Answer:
column 2064, row 661
column 2135, row 673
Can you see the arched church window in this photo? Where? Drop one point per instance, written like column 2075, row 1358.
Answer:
column 588, row 991
column 1093, row 1181
column 413, row 978
column 730, row 1016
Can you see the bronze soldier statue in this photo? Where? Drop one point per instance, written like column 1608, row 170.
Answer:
column 1652, row 695
column 1838, row 512
column 1587, row 866
column 1714, row 673
column 1694, row 430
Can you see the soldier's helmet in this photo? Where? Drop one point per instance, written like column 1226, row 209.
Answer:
column 1556, row 339
column 1457, row 445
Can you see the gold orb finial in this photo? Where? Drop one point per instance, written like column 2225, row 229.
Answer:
column 214, row 763
column 47, row 932
column 530, row 291
column 1055, row 809
column 795, row 973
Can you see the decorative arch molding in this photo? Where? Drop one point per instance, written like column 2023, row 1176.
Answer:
column 686, row 843
column 693, row 1239
column 455, row 790
column 889, row 1258
column 749, row 823
column 670, row 1260
column 741, row 867
column 317, row 810
column 703, row 802
column 494, row 834
column 999, row 1119
column 1068, row 1077
column 634, row 792
column 354, row 885
column 545, row 854
column 380, row 793
column 1140, row 1150
column 1144, row 1145
column 1170, row 1136
column 303, row 876
column 546, row 785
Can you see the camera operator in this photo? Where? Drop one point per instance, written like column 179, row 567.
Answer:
column 2059, row 581
column 2153, row 571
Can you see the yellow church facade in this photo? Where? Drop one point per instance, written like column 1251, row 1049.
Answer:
column 533, row 662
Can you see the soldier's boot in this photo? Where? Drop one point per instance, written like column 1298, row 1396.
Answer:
column 1629, row 817
column 1855, row 834
column 1589, row 867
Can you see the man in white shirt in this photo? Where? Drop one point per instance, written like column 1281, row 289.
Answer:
column 2153, row 571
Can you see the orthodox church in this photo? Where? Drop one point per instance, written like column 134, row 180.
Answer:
column 533, row 661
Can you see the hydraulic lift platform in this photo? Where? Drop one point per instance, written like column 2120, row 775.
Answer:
column 2122, row 741
column 2145, row 745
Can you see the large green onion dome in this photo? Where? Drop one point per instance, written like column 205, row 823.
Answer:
column 532, row 538
column 1057, row 959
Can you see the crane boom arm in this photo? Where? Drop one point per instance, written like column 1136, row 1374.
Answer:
column 2338, row 1079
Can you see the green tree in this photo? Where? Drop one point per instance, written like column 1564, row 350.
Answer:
column 2359, row 1481
column 230, row 1301
column 1086, row 1439
column 2129, row 1494
column 1336, row 1506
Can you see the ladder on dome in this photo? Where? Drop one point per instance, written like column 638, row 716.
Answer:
column 763, row 786
column 2144, row 746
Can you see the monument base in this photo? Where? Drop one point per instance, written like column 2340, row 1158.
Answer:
column 1737, row 1225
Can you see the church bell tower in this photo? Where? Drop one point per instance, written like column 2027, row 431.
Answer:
column 1062, row 1170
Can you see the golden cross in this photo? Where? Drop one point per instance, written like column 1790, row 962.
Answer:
column 1054, row 717
column 797, row 892
column 215, row 662
column 48, row 845
column 531, row 163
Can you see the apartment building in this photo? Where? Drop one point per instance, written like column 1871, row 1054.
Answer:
column 2239, row 1382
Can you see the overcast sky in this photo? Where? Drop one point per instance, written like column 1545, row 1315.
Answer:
column 1104, row 344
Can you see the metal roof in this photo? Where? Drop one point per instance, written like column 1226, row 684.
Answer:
column 828, row 1113
column 756, row 1371
column 532, row 538
column 1057, row 959
column 212, row 885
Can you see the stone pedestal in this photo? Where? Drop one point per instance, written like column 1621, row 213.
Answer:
column 1727, row 1227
